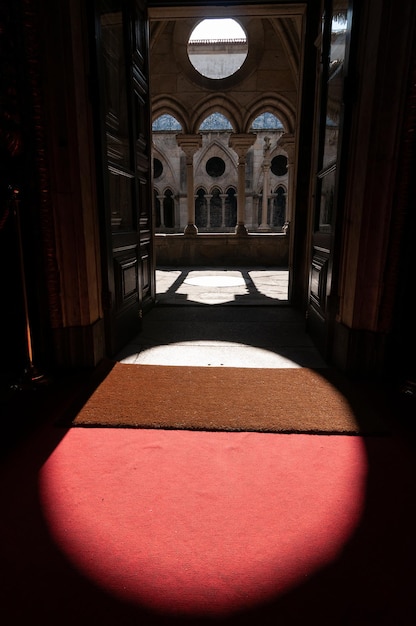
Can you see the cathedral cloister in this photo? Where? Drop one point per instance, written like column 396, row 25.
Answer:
column 224, row 145
column 216, row 178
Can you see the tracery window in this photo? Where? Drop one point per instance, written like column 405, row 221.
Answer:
column 164, row 209
column 215, row 209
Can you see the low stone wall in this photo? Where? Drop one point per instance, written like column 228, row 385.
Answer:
column 213, row 250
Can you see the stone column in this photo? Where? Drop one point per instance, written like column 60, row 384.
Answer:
column 240, row 143
column 287, row 142
column 161, row 213
column 208, row 198
column 223, row 197
column 190, row 144
column 264, row 226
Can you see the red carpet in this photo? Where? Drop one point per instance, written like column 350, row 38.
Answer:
column 206, row 524
column 114, row 526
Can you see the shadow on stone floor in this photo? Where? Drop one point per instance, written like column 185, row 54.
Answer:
column 222, row 286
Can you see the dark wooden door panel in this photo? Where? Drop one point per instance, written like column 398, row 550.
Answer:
column 125, row 145
column 336, row 26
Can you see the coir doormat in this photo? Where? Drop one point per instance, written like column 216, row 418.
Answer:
column 292, row 400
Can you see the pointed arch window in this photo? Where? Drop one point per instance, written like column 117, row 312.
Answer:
column 169, row 209
column 164, row 208
column 166, row 123
column 201, row 209
column 216, row 122
column 267, row 121
column 230, row 208
column 279, row 208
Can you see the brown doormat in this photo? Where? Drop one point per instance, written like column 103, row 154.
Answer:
column 295, row 400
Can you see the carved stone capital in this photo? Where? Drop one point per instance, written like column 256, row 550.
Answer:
column 241, row 142
column 189, row 143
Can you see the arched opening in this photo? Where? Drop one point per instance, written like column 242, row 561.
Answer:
column 278, row 217
column 216, row 121
column 166, row 123
column 201, row 209
column 169, row 209
column 230, row 219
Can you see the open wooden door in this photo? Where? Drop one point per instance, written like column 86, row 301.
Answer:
column 335, row 46
column 124, row 146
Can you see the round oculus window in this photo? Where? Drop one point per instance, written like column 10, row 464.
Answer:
column 157, row 168
column 279, row 165
column 217, row 48
column 215, row 167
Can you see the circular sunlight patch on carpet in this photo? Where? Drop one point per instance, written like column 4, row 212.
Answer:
column 198, row 523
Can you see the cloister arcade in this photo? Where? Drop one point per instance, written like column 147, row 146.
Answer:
column 215, row 177
column 224, row 146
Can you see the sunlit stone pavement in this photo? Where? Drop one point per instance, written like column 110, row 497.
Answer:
column 197, row 322
column 242, row 286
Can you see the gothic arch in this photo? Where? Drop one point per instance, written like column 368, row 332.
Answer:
column 218, row 104
column 170, row 174
column 156, row 31
column 288, row 32
column 221, row 150
column 280, row 186
column 165, row 104
column 164, row 205
column 273, row 103
column 279, row 209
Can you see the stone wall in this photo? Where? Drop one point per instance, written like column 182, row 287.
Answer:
column 216, row 250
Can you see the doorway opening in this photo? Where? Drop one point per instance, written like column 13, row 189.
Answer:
column 224, row 126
